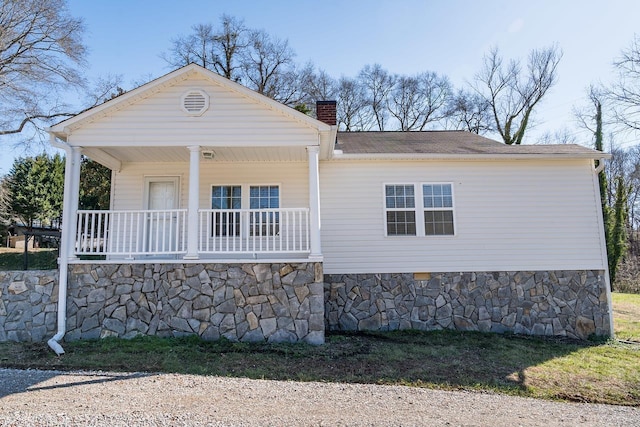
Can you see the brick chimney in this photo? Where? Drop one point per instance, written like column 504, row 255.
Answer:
column 326, row 112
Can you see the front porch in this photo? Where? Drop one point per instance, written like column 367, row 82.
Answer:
column 198, row 209
column 221, row 233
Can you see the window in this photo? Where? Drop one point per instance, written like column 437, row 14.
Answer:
column 438, row 209
column 223, row 197
column 403, row 207
column 400, row 210
column 264, row 197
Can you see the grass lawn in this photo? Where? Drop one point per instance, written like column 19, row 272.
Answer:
column 553, row 369
column 39, row 259
column 626, row 316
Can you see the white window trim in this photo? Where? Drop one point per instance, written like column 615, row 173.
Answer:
column 419, row 210
column 385, row 210
column 245, row 189
column 452, row 209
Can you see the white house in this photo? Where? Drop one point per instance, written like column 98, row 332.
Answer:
column 233, row 215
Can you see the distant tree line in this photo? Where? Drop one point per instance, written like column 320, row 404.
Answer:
column 501, row 98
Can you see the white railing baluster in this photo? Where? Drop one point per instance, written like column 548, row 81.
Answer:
column 163, row 232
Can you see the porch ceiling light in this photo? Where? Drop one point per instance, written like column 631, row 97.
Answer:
column 208, row 155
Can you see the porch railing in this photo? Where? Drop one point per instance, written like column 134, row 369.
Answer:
column 144, row 232
column 254, row 230
column 164, row 232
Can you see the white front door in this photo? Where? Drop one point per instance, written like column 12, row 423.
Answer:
column 162, row 196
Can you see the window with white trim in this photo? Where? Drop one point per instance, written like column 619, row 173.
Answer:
column 400, row 210
column 227, row 221
column 437, row 201
column 264, row 197
column 404, row 207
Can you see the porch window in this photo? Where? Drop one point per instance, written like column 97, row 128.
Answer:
column 264, row 197
column 400, row 210
column 438, row 209
column 225, row 198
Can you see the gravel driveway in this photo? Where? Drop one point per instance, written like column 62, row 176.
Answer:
column 44, row 398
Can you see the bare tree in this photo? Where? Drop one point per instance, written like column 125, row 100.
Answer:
column 352, row 105
column 468, row 111
column 314, row 86
column 417, row 101
column 625, row 93
column 41, row 54
column 217, row 50
column 560, row 136
column 378, row 84
column 320, row 86
column 513, row 91
column 268, row 66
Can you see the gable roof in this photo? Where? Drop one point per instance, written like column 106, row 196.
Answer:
column 64, row 127
column 447, row 144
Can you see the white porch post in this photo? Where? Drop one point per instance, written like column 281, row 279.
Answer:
column 70, row 202
column 192, row 208
column 314, row 202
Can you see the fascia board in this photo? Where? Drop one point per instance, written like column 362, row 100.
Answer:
column 337, row 155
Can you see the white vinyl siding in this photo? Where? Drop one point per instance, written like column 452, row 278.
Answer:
column 293, row 178
column 509, row 216
column 230, row 120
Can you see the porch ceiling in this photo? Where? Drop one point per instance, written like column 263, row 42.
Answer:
column 181, row 154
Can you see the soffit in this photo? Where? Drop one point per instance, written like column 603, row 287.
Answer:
column 220, row 154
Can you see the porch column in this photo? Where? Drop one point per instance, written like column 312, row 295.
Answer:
column 70, row 201
column 314, row 202
column 192, row 208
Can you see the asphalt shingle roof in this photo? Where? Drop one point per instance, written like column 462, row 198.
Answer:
column 444, row 142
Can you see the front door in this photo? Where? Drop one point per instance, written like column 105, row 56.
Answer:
column 162, row 197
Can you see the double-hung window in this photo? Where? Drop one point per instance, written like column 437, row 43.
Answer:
column 400, row 210
column 261, row 219
column 228, row 200
column 265, row 222
column 426, row 212
column 437, row 201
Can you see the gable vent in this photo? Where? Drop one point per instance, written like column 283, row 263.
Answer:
column 195, row 102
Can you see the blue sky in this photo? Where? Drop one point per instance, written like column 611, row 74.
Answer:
column 126, row 37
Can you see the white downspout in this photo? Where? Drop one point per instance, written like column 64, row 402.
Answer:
column 65, row 244
column 600, row 167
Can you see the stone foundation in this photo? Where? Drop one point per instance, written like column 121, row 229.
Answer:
column 28, row 305
column 285, row 302
column 245, row 302
column 560, row 303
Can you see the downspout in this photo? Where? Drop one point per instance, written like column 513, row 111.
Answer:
column 63, row 259
column 600, row 167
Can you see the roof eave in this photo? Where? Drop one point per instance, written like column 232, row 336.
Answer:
column 338, row 155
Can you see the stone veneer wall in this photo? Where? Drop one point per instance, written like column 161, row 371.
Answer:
column 28, row 305
column 246, row 302
column 561, row 303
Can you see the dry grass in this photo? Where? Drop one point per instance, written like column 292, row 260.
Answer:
column 545, row 368
column 626, row 316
